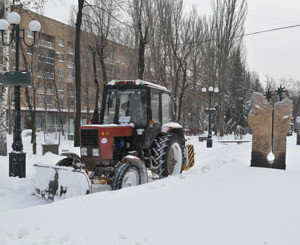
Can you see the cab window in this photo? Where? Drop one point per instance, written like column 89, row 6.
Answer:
column 166, row 108
column 155, row 107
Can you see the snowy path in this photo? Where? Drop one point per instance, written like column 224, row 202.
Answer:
column 220, row 201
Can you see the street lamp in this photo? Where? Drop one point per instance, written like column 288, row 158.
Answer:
column 210, row 111
column 280, row 90
column 17, row 158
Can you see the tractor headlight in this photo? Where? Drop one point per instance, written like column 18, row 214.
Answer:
column 83, row 151
column 96, row 152
column 112, row 82
column 138, row 82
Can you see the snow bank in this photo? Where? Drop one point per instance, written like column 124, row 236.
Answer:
column 219, row 201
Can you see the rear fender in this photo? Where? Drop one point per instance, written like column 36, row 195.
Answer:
column 140, row 165
column 168, row 127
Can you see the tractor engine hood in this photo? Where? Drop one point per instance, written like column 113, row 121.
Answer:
column 105, row 135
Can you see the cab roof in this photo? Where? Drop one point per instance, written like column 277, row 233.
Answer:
column 137, row 82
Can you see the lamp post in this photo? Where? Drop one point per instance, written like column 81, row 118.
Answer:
column 280, row 90
column 210, row 111
column 17, row 158
column 268, row 94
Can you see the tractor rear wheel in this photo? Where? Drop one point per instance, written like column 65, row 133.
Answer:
column 168, row 153
column 126, row 175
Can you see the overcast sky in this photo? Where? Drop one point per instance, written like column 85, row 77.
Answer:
column 274, row 53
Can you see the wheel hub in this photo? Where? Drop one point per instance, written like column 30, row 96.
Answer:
column 131, row 178
column 174, row 159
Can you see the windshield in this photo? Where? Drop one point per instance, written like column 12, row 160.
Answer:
column 125, row 106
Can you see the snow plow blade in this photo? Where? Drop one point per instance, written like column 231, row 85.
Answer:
column 54, row 183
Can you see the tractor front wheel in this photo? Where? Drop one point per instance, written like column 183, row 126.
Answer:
column 126, row 175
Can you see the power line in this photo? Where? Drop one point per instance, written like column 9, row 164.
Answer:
column 270, row 30
column 244, row 35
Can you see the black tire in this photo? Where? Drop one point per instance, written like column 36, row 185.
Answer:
column 165, row 163
column 122, row 176
column 66, row 162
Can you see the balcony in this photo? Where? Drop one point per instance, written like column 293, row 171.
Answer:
column 46, row 44
column 70, row 51
column 71, row 64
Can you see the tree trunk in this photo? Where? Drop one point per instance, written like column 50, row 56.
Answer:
column 78, row 74
column 95, row 118
column 31, row 106
column 100, row 51
column 3, row 145
column 142, row 47
column 3, row 92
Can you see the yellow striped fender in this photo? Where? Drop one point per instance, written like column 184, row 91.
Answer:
column 190, row 157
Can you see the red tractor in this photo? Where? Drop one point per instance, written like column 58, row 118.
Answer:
column 134, row 140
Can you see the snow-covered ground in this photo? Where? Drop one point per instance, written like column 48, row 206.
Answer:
column 220, row 201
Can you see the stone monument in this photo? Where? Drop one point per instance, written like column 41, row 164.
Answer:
column 269, row 128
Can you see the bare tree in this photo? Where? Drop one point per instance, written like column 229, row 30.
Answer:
column 141, row 12
column 30, row 96
column 228, row 28
column 100, row 22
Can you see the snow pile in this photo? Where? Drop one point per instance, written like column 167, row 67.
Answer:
column 219, row 201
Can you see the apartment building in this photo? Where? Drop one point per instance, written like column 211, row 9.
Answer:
column 51, row 62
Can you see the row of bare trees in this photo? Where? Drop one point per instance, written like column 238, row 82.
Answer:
column 182, row 51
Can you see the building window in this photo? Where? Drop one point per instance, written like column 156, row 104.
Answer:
column 50, row 101
column 61, row 96
column 118, row 59
column 40, row 101
column 61, row 87
column 109, row 59
column 123, row 61
column 61, row 57
column 29, row 50
column 61, row 72
column 29, row 34
column 61, row 42
column 29, row 66
column 70, row 48
column 49, row 75
column 71, row 61
column 70, row 73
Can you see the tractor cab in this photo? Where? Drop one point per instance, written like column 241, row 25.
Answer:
column 143, row 105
